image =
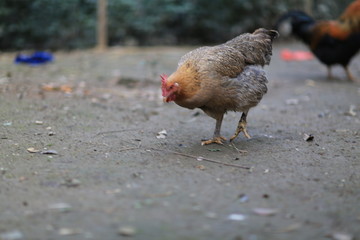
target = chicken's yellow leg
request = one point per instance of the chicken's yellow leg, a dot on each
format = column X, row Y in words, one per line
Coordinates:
column 329, row 75
column 217, row 138
column 349, row 75
column 241, row 127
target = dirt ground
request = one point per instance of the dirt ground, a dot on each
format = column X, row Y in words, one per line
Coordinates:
column 81, row 157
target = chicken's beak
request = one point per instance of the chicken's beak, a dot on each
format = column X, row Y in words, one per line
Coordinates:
column 167, row 99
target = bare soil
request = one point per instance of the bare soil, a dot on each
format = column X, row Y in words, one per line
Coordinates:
column 80, row 157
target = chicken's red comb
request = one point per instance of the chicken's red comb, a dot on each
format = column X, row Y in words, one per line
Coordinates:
column 163, row 78
column 163, row 83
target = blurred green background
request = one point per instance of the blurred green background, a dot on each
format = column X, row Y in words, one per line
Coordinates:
column 70, row 24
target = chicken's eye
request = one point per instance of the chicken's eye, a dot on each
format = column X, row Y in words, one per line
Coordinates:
column 171, row 87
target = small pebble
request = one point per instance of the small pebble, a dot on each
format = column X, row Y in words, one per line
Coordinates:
column 292, row 101
column 127, row 231
column 237, row 217
column 265, row 211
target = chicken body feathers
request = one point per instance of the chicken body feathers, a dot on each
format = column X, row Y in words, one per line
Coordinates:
column 238, row 94
column 226, row 77
column 230, row 58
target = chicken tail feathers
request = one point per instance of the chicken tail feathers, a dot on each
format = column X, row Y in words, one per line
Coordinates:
column 256, row 48
column 271, row 33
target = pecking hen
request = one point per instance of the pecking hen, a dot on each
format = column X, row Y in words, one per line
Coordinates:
column 226, row 77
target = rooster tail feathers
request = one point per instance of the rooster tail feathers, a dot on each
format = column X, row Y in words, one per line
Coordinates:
column 351, row 16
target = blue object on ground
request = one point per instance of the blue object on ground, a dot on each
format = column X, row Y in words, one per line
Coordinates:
column 37, row 58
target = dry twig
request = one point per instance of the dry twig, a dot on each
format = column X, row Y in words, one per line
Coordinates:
column 202, row 158
column 239, row 150
column 116, row 131
column 130, row 148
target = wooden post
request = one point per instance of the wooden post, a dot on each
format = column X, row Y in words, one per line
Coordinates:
column 101, row 25
column 308, row 7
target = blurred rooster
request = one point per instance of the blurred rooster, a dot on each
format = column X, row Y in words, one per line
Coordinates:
column 332, row 42
column 226, row 77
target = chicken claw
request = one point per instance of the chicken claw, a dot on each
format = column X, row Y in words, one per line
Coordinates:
column 218, row 140
column 241, row 127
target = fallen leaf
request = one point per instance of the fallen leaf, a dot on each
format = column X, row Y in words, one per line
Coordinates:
column 162, row 134
column 127, row 231
column 201, row 167
column 32, row 150
column 22, row 178
column 291, row 228
column 265, row 211
column 52, row 87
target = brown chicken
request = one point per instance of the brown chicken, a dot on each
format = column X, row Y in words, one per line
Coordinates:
column 332, row 42
column 226, row 77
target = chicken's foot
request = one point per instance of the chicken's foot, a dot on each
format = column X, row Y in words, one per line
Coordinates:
column 329, row 73
column 217, row 137
column 348, row 74
column 218, row 140
column 241, row 127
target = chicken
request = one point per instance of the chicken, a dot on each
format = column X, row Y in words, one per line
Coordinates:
column 332, row 42
column 226, row 77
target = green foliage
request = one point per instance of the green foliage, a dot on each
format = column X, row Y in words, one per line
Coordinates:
column 71, row 24
column 47, row 23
